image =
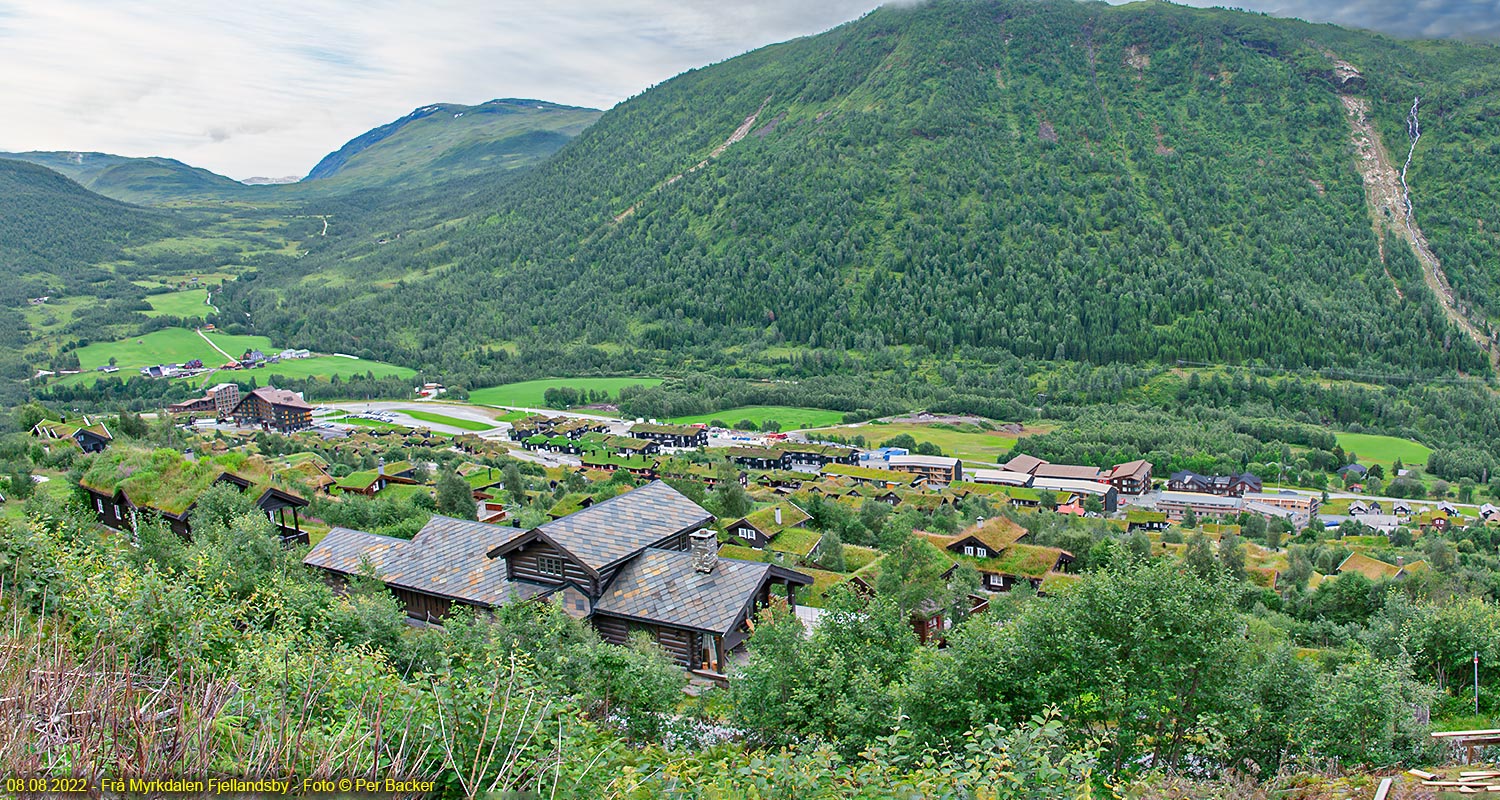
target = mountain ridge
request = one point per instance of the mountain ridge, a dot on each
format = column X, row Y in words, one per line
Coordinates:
column 977, row 180
column 427, row 146
column 336, row 163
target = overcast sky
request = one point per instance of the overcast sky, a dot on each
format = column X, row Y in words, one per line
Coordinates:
column 266, row 88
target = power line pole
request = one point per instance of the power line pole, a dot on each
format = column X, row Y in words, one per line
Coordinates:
column 1476, row 682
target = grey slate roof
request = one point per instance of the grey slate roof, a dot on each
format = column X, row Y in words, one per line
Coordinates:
column 662, row 586
column 606, row 532
column 343, row 548
column 447, row 558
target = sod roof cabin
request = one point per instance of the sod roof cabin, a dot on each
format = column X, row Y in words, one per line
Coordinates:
column 125, row 482
column 880, row 477
column 570, row 504
column 88, row 438
column 816, row 454
column 371, row 482
column 609, row 462
column 782, row 479
column 758, row 528
column 758, row 457
column 1375, row 569
column 671, row 435
column 1145, row 519
column 644, row 560
column 995, row 549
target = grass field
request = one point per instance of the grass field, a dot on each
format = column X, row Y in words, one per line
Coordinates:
column 454, row 422
column 180, row 345
column 168, row 346
column 328, row 366
column 969, row 443
column 1384, row 450
column 179, row 304
column 528, row 394
column 791, row 418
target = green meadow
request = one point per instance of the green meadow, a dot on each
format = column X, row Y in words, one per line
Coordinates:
column 790, row 417
column 1384, row 450
column 179, row 304
column 180, row 345
column 529, row 394
column 168, row 346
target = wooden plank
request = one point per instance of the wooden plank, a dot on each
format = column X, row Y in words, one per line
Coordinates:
column 1384, row 790
column 1417, row 773
column 1452, row 734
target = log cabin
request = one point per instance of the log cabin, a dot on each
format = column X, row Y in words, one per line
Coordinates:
column 645, row 560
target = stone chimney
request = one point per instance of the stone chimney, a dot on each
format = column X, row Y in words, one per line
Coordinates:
column 778, row 515
column 1400, row 561
column 704, row 546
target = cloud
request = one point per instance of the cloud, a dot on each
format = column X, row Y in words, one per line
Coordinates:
column 268, row 88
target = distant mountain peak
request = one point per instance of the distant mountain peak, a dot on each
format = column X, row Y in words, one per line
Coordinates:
column 458, row 139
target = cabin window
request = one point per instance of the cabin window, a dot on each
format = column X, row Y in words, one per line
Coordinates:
column 981, row 552
column 968, row 550
column 551, row 566
column 747, row 533
column 98, row 505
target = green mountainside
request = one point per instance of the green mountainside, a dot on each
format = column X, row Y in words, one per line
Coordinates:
column 446, row 141
column 1144, row 183
column 431, row 145
column 134, row 180
column 51, row 225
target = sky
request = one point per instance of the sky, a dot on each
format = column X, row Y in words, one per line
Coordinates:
column 267, row 88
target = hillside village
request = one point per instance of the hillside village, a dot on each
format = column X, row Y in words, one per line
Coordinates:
column 611, row 519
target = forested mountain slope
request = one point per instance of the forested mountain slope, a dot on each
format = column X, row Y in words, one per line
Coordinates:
column 1043, row 179
column 134, row 180
column 49, row 224
column 448, row 141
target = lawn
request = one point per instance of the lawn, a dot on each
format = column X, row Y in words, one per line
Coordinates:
column 969, row 442
column 529, row 394
column 454, row 422
column 1384, row 450
column 179, row 304
column 373, row 423
column 790, row 417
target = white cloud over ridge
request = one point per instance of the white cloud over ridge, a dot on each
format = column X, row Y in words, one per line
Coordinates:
column 268, row 88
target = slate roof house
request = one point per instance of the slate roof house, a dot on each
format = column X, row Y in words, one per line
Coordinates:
column 645, row 560
column 1222, row 485
column 273, row 409
column 1133, row 477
